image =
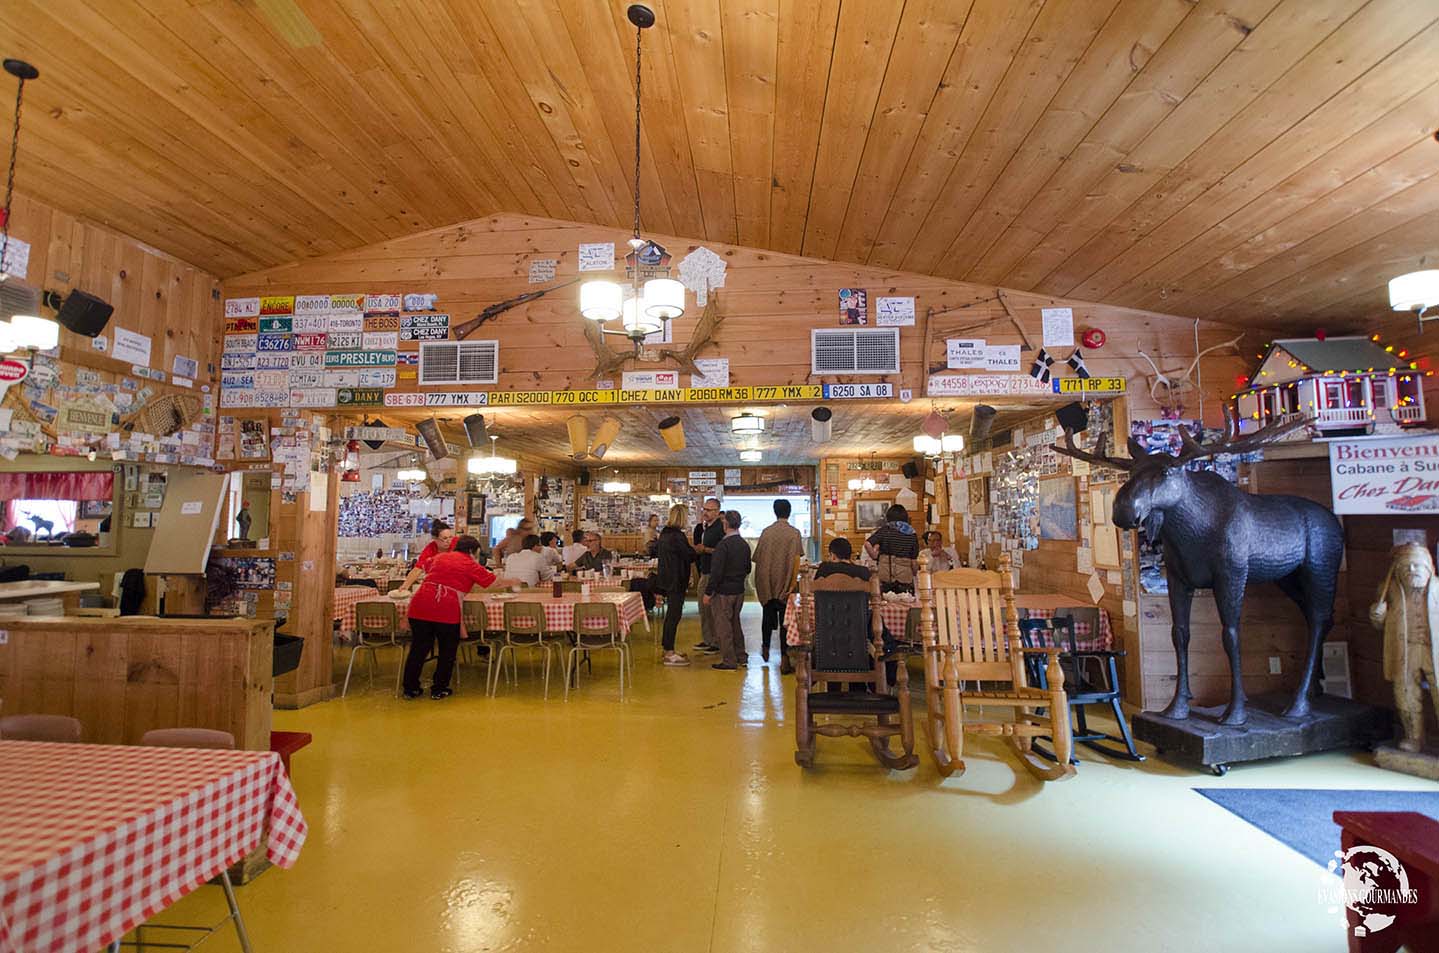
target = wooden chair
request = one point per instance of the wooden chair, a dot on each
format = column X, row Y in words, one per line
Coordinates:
column 524, row 629
column 597, row 628
column 188, row 738
column 1090, row 678
column 971, row 632
column 841, row 620
column 377, row 626
column 41, row 728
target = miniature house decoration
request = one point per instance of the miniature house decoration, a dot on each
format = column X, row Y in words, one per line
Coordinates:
column 1348, row 387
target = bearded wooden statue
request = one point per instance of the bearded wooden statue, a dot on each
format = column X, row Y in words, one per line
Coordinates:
column 1408, row 613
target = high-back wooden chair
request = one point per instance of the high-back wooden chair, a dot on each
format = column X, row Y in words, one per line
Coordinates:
column 970, row 631
column 841, row 621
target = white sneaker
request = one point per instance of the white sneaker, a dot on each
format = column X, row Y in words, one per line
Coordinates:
column 675, row 658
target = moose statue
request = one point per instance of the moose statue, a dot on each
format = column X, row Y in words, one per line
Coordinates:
column 1216, row 536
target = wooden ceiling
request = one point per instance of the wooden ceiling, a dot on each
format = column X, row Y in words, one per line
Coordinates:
column 858, row 430
column 1244, row 160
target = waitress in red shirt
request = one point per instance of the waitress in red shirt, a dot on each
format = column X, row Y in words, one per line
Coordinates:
column 442, row 540
column 435, row 613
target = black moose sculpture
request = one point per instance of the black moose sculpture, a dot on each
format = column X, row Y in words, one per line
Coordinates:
column 1216, row 536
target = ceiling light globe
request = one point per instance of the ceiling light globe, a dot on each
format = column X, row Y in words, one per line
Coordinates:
column 1415, row 291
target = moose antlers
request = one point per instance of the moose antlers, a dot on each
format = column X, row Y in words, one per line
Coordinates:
column 1232, row 442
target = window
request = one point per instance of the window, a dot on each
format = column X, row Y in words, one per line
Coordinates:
column 1333, row 394
column 757, row 512
column 44, row 508
column 1356, row 392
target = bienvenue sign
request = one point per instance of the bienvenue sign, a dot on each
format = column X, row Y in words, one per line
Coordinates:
column 1387, row 476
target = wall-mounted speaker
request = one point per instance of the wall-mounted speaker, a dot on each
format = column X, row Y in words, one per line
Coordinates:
column 475, row 430
column 1073, row 417
column 584, row 478
column 981, row 423
column 910, row 470
column 82, row 313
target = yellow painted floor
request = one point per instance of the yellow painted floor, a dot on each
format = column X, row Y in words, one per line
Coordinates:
column 678, row 821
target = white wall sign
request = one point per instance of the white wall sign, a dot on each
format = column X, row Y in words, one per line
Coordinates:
column 893, row 312
column 1001, row 357
column 732, row 477
column 17, row 258
column 648, row 380
column 702, row 479
column 965, row 352
column 1392, row 476
column 597, row 256
column 1058, row 326
column 130, row 347
column 714, row 372
column 542, row 270
column 985, row 385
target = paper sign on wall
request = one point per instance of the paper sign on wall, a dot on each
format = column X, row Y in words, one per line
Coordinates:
column 191, row 507
column 1393, row 476
column 647, row 380
column 130, row 347
column 542, row 270
column 17, row 258
column 714, row 372
column 1001, row 357
column 597, row 256
column 965, row 352
column 893, row 312
column 1096, row 588
column 1058, row 326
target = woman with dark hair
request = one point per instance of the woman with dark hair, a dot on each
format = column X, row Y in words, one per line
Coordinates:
column 435, row 613
column 894, row 547
column 442, row 539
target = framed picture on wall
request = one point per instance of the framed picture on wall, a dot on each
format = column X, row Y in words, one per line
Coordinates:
column 869, row 514
column 1058, row 508
column 978, row 496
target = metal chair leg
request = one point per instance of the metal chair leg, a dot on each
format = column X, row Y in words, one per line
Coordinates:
column 235, row 912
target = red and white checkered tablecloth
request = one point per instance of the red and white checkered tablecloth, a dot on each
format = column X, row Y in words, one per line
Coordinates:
column 96, row 839
column 345, row 599
column 894, row 615
column 560, row 613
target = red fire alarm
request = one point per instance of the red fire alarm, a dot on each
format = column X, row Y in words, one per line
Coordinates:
column 1093, row 339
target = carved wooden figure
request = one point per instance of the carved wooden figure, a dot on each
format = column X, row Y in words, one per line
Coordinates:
column 1216, row 536
column 1408, row 613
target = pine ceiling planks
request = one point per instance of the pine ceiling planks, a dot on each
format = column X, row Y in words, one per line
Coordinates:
column 1245, row 160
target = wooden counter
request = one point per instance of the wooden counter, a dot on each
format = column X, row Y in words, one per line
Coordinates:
column 124, row 676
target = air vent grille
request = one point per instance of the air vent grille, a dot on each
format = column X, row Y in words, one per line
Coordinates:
column 854, row 350
column 460, row 362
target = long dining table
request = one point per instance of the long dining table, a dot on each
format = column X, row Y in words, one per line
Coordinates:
column 559, row 610
column 96, row 839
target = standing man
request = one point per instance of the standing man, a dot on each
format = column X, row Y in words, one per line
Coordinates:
column 707, row 535
column 776, row 556
column 724, row 592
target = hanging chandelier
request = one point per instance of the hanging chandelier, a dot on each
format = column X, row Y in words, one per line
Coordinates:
column 19, row 303
column 493, row 465
column 642, row 308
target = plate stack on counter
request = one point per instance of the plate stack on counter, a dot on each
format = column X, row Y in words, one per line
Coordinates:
column 47, row 606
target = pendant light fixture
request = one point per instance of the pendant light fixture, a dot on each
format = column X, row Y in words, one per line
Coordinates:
column 19, row 303
column 493, row 465
column 642, row 308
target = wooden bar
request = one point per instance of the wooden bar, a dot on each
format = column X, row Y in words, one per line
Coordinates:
column 125, row 676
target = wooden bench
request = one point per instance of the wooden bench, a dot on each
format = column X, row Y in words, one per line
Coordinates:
column 1414, row 840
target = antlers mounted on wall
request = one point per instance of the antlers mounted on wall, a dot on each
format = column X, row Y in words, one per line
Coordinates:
column 608, row 360
column 1175, row 383
column 1231, row 442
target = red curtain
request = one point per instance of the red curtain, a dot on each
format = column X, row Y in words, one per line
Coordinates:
column 57, row 486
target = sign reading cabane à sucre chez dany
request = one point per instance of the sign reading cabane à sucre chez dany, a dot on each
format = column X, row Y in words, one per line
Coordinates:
column 1385, row 475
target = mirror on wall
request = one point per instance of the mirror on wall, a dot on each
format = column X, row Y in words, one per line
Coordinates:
column 247, row 517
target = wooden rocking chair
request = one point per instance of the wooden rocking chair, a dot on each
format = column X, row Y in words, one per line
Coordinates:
column 840, row 618
column 971, row 632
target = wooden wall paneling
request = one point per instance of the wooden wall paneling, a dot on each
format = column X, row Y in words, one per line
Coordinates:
column 863, row 44
column 751, row 36
column 1192, row 50
column 1282, row 221
column 1373, row 82
column 1261, row 58
column 312, row 534
column 930, row 33
column 1059, row 37
column 697, row 46
column 992, row 35
column 804, row 46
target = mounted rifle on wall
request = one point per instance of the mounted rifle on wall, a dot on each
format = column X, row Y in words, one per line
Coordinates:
column 1216, row 536
column 500, row 307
